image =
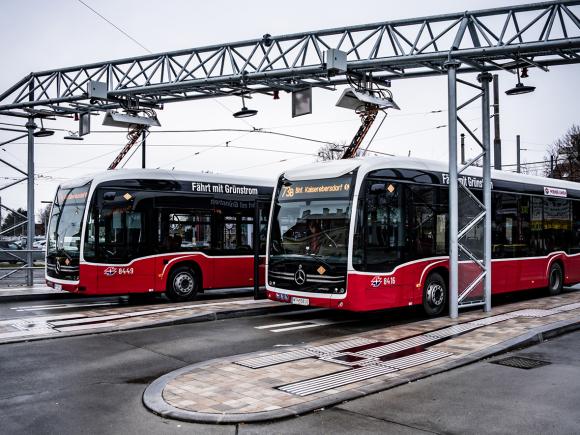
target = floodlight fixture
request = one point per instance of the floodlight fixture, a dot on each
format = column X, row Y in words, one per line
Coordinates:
column 73, row 136
column 43, row 132
column 520, row 88
column 244, row 112
column 353, row 99
column 126, row 120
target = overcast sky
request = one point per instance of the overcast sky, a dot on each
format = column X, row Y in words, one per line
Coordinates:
column 39, row 35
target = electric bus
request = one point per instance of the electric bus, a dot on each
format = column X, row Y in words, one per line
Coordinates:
column 372, row 233
column 153, row 231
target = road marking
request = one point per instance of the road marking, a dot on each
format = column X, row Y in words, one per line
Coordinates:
column 304, row 324
column 63, row 306
column 275, row 325
column 296, row 327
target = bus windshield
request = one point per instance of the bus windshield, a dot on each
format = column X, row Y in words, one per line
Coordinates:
column 64, row 235
column 311, row 220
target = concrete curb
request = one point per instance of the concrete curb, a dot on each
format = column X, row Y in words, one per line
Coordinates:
column 153, row 399
column 196, row 318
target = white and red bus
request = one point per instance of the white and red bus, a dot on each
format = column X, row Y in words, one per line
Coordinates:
column 146, row 231
column 372, row 233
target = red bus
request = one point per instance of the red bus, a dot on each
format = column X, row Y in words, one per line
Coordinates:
column 372, row 233
column 148, row 231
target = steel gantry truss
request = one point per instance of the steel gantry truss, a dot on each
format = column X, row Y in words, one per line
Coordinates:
column 540, row 35
column 534, row 35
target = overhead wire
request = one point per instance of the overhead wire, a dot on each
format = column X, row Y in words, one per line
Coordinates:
column 225, row 130
column 115, row 26
column 150, row 52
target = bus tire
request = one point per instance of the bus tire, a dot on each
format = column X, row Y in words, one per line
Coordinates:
column 434, row 295
column 182, row 284
column 555, row 279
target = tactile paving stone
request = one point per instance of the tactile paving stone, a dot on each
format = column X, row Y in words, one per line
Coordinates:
column 270, row 360
column 335, row 380
column 416, row 359
column 453, row 330
column 342, row 345
column 398, row 346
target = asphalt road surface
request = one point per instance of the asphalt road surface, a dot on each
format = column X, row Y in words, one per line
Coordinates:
column 93, row 384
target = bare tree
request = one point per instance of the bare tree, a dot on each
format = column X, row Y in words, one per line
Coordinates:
column 565, row 155
column 43, row 216
column 335, row 151
column 330, row 152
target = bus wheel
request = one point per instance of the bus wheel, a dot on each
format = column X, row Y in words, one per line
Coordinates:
column 555, row 279
column 434, row 295
column 182, row 284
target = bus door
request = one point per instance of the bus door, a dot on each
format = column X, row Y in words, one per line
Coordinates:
column 184, row 232
column 234, row 266
column 121, row 223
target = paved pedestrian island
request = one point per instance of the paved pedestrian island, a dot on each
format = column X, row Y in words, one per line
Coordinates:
column 282, row 383
column 93, row 317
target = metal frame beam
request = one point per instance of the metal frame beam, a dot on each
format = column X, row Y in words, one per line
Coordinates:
column 484, row 40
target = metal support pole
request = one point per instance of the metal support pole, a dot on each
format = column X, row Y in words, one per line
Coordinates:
column 453, row 189
column 30, row 126
column 518, row 151
column 143, row 136
column 485, row 79
column 496, row 138
column 462, row 148
column 256, row 242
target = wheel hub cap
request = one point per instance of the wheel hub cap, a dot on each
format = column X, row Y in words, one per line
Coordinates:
column 183, row 283
column 435, row 295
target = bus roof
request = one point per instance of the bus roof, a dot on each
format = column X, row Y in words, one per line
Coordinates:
column 336, row 168
column 164, row 174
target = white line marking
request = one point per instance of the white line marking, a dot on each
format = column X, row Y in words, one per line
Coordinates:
column 67, row 306
column 292, row 328
column 275, row 325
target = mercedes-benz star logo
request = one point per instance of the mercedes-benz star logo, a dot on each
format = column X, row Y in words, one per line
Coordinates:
column 57, row 266
column 300, row 276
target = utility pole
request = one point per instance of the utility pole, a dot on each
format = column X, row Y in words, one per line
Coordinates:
column 30, row 126
column 518, row 151
column 496, row 138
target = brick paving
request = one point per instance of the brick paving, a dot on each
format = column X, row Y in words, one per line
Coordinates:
column 226, row 389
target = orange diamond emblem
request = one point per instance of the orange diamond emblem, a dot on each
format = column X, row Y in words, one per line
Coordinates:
column 321, row 270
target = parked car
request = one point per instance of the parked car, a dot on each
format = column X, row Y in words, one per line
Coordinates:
column 39, row 244
column 11, row 257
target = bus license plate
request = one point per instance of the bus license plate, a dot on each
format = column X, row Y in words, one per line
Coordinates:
column 300, row 301
column 58, row 286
